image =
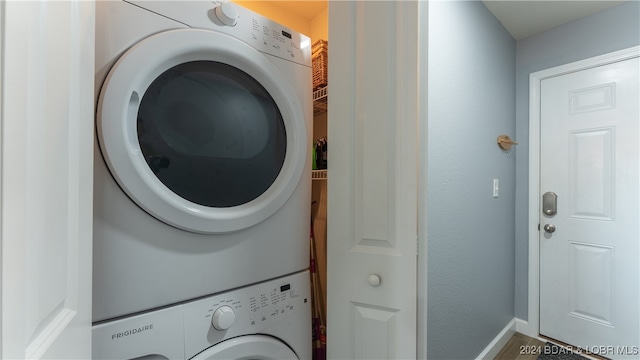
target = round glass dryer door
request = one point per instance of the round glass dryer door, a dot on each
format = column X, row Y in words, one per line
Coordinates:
column 254, row 347
column 201, row 131
column 211, row 134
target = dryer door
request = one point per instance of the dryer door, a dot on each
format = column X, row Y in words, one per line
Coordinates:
column 202, row 131
column 254, row 347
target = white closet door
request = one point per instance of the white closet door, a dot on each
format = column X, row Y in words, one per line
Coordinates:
column 372, row 179
column 46, row 150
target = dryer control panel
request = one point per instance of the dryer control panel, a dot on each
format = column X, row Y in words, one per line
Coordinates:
column 262, row 33
column 266, row 35
column 265, row 308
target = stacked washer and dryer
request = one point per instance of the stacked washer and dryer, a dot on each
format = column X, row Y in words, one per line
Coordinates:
column 202, row 183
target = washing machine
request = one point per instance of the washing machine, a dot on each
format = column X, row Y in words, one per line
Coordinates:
column 202, row 166
column 267, row 321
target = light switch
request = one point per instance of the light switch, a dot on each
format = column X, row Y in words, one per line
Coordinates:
column 496, row 188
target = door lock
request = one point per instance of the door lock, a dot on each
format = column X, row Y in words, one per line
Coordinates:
column 550, row 203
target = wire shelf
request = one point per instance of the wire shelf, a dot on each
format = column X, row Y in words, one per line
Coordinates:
column 319, row 175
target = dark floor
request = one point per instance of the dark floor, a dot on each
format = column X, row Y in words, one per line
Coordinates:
column 520, row 347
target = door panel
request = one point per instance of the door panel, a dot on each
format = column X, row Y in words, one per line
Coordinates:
column 372, row 180
column 589, row 267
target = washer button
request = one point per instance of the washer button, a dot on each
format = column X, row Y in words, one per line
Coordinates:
column 223, row 318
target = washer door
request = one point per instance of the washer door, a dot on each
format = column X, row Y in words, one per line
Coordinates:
column 202, row 131
column 253, row 347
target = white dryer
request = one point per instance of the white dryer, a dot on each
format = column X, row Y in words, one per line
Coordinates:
column 202, row 165
column 268, row 321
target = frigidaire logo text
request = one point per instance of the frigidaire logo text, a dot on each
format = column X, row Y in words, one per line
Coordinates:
column 131, row 332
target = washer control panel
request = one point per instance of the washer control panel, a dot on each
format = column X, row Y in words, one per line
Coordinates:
column 248, row 310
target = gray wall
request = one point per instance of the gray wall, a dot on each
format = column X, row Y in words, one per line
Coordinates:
column 470, row 234
column 610, row 30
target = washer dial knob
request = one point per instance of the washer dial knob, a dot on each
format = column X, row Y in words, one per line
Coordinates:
column 223, row 318
column 227, row 14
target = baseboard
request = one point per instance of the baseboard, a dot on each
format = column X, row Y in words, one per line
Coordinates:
column 498, row 342
column 522, row 326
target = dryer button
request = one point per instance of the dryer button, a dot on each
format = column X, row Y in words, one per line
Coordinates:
column 227, row 14
column 223, row 318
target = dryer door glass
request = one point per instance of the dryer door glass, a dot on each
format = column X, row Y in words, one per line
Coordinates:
column 211, row 134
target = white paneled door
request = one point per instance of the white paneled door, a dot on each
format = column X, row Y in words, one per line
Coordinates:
column 590, row 210
column 46, row 149
column 372, row 179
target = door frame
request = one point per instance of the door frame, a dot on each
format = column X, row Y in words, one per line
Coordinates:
column 535, row 80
